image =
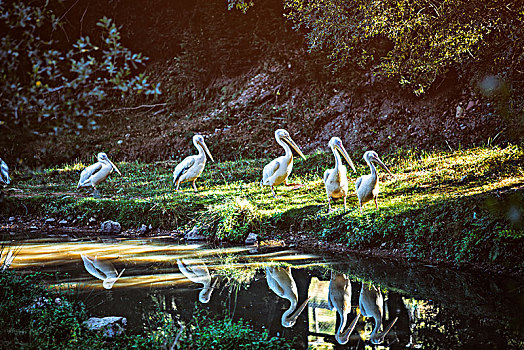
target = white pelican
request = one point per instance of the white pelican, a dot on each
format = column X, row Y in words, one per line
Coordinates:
column 367, row 185
column 101, row 269
column 191, row 167
column 4, row 173
column 339, row 298
column 7, row 260
column 198, row 273
column 281, row 282
column 336, row 180
column 278, row 170
column 96, row 173
column 371, row 304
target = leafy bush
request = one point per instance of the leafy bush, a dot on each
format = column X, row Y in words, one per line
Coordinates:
column 41, row 83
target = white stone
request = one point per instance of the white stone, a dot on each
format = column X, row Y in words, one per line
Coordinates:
column 110, row 226
column 109, row 326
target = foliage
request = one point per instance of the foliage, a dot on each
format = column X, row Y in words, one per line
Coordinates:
column 205, row 332
column 42, row 83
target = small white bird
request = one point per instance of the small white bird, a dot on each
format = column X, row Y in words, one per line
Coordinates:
column 96, row 173
column 336, row 180
column 281, row 282
column 191, row 167
column 4, row 173
column 339, row 299
column 278, row 170
column 101, row 269
column 371, row 303
column 198, row 273
column 367, row 185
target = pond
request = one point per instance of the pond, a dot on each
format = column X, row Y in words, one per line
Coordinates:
column 407, row 305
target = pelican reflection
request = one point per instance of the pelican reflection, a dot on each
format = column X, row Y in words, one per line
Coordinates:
column 371, row 303
column 197, row 272
column 101, row 269
column 339, row 299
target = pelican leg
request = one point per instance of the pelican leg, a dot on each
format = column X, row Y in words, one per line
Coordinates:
column 376, row 204
column 345, row 207
column 360, row 206
column 194, row 186
column 177, row 185
column 96, row 194
column 329, row 204
column 293, row 184
column 273, row 191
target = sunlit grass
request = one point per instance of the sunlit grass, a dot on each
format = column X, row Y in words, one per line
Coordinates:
column 230, row 202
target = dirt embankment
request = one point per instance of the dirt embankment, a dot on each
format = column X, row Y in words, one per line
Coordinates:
column 236, row 78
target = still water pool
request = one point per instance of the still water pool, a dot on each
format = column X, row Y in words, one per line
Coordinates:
column 406, row 305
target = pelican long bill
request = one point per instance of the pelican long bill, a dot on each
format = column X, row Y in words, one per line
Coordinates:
column 346, row 157
column 203, row 144
column 298, row 311
column 114, row 167
column 294, row 145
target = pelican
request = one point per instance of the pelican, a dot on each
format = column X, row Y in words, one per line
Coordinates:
column 339, row 298
column 4, row 173
column 278, row 170
column 281, row 282
column 336, row 180
column 191, row 167
column 101, row 269
column 198, row 273
column 371, row 304
column 8, row 259
column 96, row 173
column 367, row 185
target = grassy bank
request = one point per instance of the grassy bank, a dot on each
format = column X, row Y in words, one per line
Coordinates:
column 458, row 206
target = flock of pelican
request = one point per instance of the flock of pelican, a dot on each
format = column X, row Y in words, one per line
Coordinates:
column 275, row 172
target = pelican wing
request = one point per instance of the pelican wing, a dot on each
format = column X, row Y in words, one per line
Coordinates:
column 90, row 267
column 270, row 169
column 358, row 182
column 88, row 172
column 183, row 167
column 273, row 283
column 105, row 267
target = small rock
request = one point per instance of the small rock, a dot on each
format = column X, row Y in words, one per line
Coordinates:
column 471, row 104
column 142, row 230
column 110, row 226
column 460, row 112
column 251, row 239
column 193, row 235
column 109, row 326
column 11, row 219
column 63, row 222
column 33, row 228
column 50, row 221
column 92, row 220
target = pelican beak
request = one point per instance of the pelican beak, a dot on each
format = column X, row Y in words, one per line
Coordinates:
column 344, row 337
column 294, row 145
column 108, row 283
column 114, row 167
column 298, row 311
column 384, row 166
column 203, row 144
column 346, row 156
column 388, row 328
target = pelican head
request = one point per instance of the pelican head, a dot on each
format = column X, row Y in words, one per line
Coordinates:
column 198, row 141
column 108, row 282
column 289, row 318
column 102, row 157
column 336, row 144
column 205, row 294
column 372, row 156
column 283, row 135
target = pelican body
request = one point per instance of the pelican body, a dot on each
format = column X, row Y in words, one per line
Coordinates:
column 101, row 269
column 191, row 167
column 4, row 173
column 339, row 299
column 96, row 173
column 278, row 170
column 281, row 282
column 336, row 180
column 371, row 304
column 367, row 185
column 198, row 273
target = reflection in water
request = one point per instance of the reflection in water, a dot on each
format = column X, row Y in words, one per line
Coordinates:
column 101, row 269
column 6, row 261
column 339, row 298
column 281, row 282
column 198, row 273
column 371, row 304
column 435, row 309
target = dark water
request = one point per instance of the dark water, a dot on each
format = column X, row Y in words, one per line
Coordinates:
column 435, row 308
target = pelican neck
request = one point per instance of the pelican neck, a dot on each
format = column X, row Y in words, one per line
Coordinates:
column 338, row 160
column 286, row 147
